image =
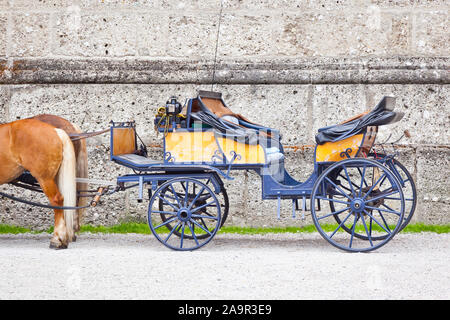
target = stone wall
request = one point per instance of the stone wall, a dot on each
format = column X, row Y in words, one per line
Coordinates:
column 296, row 65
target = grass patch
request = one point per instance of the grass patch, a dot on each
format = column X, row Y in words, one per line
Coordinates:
column 420, row 227
column 411, row 228
column 142, row 228
column 129, row 227
column 7, row 229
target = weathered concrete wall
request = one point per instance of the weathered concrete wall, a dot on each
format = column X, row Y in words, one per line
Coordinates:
column 295, row 65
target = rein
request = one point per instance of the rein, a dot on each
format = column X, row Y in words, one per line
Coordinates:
column 93, row 203
column 36, row 204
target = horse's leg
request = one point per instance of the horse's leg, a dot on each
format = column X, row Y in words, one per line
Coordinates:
column 60, row 237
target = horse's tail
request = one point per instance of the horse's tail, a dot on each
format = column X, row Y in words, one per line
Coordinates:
column 81, row 172
column 66, row 181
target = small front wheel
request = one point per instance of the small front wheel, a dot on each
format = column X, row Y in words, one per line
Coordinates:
column 224, row 206
column 366, row 199
column 193, row 217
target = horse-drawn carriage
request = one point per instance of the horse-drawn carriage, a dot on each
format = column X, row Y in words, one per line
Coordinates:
column 358, row 199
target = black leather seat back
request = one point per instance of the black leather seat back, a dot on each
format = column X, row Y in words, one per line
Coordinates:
column 382, row 114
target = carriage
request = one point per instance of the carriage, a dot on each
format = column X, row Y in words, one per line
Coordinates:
column 358, row 199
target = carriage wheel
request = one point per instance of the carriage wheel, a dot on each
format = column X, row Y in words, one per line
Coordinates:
column 195, row 226
column 409, row 193
column 224, row 205
column 372, row 206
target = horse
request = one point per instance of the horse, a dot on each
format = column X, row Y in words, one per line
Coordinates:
column 42, row 146
column 81, row 160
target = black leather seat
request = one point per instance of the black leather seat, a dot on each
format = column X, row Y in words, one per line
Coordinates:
column 382, row 114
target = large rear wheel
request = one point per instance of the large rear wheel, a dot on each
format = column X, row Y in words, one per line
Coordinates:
column 408, row 188
column 368, row 205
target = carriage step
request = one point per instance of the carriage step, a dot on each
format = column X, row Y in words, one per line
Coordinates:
column 295, row 207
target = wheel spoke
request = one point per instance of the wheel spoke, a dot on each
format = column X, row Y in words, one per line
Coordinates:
column 387, row 207
column 353, row 230
column 406, row 199
column 367, row 232
column 362, row 180
column 384, row 179
column 209, row 216
column 206, row 230
column 193, row 234
column 176, row 195
column 337, row 187
column 381, row 196
column 384, row 210
column 164, row 223
column 182, row 184
column 204, row 223
column 204, row 217
column 345, row 188
column 375, row 184
column 196, row 197
column 350, row 183
column 384, row 220
column 166, row 196
column 172, row 231
column 170, row 204
column 333, row 213
column 340, row 225
column 165, row 212
column 200, row 217
column 182, row 234
column 373, row 218
column 186, row 196
column 355, row 186
column 203, row 206
column 333, row 200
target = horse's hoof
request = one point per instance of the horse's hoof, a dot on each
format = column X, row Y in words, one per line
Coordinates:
column 74, row 238
column 57, row 246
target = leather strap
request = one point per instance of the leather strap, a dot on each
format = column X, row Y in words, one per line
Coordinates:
column 85, row 135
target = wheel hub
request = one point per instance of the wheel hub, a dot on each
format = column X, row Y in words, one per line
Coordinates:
column 357, row 205
column 184, row 214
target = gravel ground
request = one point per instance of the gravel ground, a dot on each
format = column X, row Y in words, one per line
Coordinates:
column 274, row 266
